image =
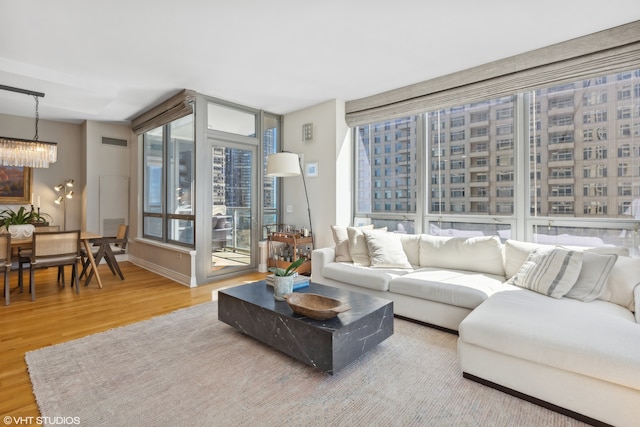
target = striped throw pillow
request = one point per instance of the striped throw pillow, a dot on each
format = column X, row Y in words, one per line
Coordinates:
column 550, row 272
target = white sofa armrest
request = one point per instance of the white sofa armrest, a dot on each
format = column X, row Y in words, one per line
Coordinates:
column 320, row 258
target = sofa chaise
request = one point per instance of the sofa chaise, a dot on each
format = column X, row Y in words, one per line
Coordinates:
column 555, row 325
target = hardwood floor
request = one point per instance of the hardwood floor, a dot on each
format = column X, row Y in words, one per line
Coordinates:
column 60, row 315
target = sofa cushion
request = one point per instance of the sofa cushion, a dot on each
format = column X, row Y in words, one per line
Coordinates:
column 411, row 246
column 479, row 254
column 623, row 280
column 341, row 239
column 385, row 250
column 593, row 276
column 456, row 287
column 358, row 245
column 551, row 272
column 515, row 254
column 366, row 277
column 597, row 339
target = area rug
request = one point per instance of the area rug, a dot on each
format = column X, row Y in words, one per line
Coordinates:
column 187, row 368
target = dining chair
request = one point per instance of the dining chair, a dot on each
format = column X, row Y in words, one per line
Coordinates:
column 107, row 248
column 54, row 249
column 24, row 254
column 5, row 262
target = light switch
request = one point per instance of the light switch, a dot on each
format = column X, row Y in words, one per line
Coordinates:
column 289, row 208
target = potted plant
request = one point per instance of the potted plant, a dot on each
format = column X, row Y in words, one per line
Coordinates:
column 283, row 278
column 20, row 223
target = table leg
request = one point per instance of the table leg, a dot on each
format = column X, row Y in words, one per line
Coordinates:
column 94, row 267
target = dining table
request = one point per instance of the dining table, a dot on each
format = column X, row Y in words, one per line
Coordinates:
column 86, row 237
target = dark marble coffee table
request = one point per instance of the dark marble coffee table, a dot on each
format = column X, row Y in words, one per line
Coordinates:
column 328, row 345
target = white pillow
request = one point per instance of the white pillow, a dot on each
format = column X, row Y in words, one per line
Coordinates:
column 411, row 246
column 341, row 238
column 482, row 254
column 550, row 272
column 516, row 253
column 623, row 280
column 358, row 248
column 385, row 250
column 593, row 276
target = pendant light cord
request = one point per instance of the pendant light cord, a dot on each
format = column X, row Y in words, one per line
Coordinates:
column 35, row 138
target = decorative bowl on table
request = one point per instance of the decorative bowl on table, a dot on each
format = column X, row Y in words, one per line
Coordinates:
column 316, row 306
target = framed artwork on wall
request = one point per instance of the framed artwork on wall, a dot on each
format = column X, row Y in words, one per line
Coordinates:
column 15, row 185
column 311, row 169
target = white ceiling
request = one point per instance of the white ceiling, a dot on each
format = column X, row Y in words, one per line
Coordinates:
column 111, row 60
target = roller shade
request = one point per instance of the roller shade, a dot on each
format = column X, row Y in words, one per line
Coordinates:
column 613, row 50
column 177, row 106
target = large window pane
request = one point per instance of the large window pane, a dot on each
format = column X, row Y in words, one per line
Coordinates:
column 231, row 120
column 181, row 180
column 153, row 170
column 585, row 141
column 169, row 182
column 271, row 138
column 386, row 167
column 471, row 159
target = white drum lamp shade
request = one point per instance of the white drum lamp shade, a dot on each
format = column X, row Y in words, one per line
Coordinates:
column 283, row 164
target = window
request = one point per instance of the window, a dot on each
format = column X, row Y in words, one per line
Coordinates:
column 569, row 159
column 399, row 190
column 561, row 190
column 169, row 182
column 504, row 113
column 457, row 192
column 457, row 136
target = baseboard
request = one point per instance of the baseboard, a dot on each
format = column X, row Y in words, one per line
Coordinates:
column 162, row 271
column 536, row 401
column 430, row 325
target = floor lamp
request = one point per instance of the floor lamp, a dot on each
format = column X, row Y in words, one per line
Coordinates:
column 286, row 164
column 61, row 199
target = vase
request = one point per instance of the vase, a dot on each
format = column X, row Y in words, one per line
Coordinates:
column 282, row 285
column 21, row 231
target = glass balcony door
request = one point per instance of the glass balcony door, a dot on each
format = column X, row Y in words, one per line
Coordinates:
column 233, row 207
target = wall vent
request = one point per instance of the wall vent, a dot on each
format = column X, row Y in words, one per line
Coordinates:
column 114, row 141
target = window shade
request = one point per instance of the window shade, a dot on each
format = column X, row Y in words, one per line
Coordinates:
column 177, row 106
column 613, row 50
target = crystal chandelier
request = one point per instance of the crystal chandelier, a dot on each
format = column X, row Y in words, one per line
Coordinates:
column 24, row 152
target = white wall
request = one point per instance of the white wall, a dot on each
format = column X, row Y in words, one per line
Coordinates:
column 330, row 192
column 103, row 160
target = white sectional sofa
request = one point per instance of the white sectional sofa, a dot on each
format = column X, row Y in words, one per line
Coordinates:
column 553, row 325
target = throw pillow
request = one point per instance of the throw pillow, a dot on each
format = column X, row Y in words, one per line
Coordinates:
column 385, row 250
column 341, row 239
column 411, row 246
column 593, row 276
column 358, row 248
column 482, row 254
column 622, row 283
column 551, row 272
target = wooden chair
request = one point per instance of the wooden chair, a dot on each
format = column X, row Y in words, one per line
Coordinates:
column 25, row 254
column 54, row 249
column 5, row 262
column 107, row 248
